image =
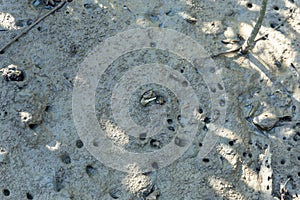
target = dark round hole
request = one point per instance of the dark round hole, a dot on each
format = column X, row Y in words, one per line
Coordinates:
column 249, row 5
column 298, row 157
column 65, row 158
column 29, row 196
column 2, row 52
column 200, row 110
column 6, row 192
column 200, row 144
column 47, row 108
column 250, row 155
column 298, row 173
column 207, row 120
column 39, row 28
column 282, row 162
column 90, row 170
column 33, row 126
column 79, row 144
column 170, row 121
column 273, row 25
column 275, row 7
column 244, row 154
column 179, row 118
column 206, row 160
column 155, row 143
column 231, row 143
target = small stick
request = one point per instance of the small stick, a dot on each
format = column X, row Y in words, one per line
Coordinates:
column 256, row 40
column 32, row 25
column 249, row 43
column 227, row 52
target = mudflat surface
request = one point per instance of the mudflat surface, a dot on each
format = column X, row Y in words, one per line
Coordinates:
column 123, row 100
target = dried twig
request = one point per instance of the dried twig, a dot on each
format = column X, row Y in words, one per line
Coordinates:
column 32, row 25
column 260, row 38
column 227, row 52
column 249, row 43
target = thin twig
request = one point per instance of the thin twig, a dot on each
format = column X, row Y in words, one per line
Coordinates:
column 227, row 52
column 249, row 43
column 256, row 40
column 32, row 25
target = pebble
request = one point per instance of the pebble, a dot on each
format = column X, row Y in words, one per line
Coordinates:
column 11, row 73
column 265, row 121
